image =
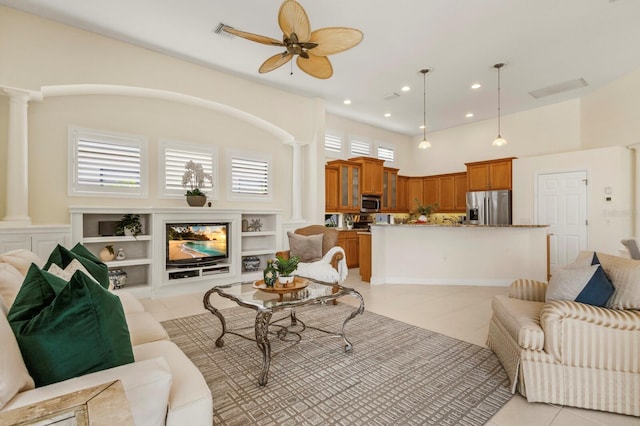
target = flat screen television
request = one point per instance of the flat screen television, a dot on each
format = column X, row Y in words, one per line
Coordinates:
column 196, row 244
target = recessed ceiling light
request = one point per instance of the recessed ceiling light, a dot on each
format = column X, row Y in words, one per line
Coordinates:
column 475, row 86
column 469, row 115
column 422, row 126
column 405, row 88
column 388, row 114
column 347, row 101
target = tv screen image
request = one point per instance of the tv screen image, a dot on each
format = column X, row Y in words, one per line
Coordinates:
column 190, row 243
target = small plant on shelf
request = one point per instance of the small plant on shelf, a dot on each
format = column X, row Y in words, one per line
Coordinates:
column 129, row 224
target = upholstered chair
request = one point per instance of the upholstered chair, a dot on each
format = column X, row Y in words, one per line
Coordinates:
column 331, row 266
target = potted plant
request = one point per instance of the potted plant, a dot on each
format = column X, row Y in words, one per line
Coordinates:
column 129, row 225
column 194, row 178
column 425, row 211
column 286, row 268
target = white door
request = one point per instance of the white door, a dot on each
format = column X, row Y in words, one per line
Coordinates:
column 562, row 204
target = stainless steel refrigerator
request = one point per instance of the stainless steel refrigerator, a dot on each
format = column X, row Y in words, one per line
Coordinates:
column 489, row 207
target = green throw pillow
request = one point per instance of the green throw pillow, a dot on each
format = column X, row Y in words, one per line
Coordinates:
column 62, row 257
column 68, row 329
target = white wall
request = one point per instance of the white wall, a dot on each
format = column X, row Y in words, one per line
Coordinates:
column 610, row 115
column 37, row 52
column 609, row 222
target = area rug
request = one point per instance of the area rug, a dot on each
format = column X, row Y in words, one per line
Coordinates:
column 397, row 374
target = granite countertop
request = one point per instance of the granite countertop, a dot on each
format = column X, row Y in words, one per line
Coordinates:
column 458, row 225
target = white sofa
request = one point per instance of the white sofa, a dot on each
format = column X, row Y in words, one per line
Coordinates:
column 162, row 386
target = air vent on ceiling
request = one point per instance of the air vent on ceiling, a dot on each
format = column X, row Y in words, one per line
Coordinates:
column 559, row 88
column 219, row 30
column 391, row 95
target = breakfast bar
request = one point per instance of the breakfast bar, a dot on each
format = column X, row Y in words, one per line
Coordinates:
column 457, row 254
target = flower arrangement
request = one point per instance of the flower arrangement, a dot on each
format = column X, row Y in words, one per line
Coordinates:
column 286, row 267
column 194, row 178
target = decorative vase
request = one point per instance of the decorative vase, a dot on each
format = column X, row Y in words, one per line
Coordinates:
column 196, row 200
column 120, row 255
column 285, row 280
column 423, row 219
column 269, row 274
column 117, row 278
column 106, row 254
column 251, row 263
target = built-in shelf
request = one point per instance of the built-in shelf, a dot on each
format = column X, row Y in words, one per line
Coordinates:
column 116, row 239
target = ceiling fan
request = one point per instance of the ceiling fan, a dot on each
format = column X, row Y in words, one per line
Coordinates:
column 310, row 47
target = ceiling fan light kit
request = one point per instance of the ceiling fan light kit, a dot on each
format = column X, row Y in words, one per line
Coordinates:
column 310, row 47
column 499, row 140
column 425, row 143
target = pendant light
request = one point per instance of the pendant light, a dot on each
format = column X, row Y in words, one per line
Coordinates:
column 425, row 143
column 499, row 141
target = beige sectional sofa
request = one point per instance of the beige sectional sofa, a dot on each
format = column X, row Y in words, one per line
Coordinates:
column 162, row 386
column 570, row 353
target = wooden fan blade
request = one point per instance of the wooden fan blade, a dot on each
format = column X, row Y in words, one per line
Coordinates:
column 316, row 66
column 334, row 40
column 274, row 62
column 293, row 19
column 254, row 37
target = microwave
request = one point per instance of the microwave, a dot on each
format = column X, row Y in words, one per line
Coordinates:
column 369, row 203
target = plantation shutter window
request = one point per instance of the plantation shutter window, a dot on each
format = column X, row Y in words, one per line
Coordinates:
column 249, row 176
column 386, row 154
column 360, row 147
column 333, row 144
column 175, row 159
column 105, row 163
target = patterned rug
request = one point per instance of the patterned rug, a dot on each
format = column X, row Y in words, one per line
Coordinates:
column 397, row 374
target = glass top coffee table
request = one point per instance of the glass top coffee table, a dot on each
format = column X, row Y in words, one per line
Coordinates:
column 266, row 301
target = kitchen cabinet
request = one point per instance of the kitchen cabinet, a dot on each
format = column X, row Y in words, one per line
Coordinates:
column 446, row 186
column 402, row 196
column 493, row 174
column 430, row 193
column 460, row 192
column 372, row 174
column 348, row 185
column 390, row 190
column 331, row 188
column 364, row 240
column 348, row 240
column 414, row 192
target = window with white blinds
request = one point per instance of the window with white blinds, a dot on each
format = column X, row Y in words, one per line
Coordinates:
column 386, row 154
column 333, row 145
column 174, row 157
column 360, row 147
column 106, row 164
column 250, row 175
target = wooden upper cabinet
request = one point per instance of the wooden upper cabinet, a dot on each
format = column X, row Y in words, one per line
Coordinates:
column 446, row 187
column 389, row 189
column 331, row 188
column 430, row 191
column 485, row 175
column 414, row 192
column 403, row 197
column 349, row 175
column 372, row 175
column 460, row 192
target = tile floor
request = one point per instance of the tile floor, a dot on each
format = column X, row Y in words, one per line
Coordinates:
column 462, row 312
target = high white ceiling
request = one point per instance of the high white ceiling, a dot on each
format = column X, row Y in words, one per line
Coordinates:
column 543, row 43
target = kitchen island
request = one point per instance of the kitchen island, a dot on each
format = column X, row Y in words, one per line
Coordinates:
column 457, row 254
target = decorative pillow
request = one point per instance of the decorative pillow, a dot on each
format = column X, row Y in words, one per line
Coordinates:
column 14, row 376
column 63, row 257
column 21, row 259
column 585, row 258
column 625, row 276
column 308, row 248
column 68, row 329
column 68, row 272
column 10, row 282
column 585, row 285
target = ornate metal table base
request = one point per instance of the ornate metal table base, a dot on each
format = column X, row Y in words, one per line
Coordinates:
column 263, row 320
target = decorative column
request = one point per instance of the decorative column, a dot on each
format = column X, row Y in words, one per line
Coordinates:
column 296, row 183
column 17, row 165
column 636, row 188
